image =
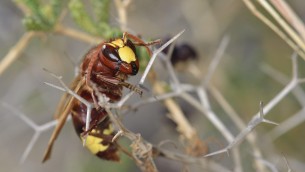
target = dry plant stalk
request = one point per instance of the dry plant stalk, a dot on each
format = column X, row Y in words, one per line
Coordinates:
column 122, row 6
column 23, row 42
column 194, row 145
column 289, row 34
column 290, row 16
column 15, row 51
column 66, row 31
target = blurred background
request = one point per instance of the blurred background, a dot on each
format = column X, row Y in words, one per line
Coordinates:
column 239, row 77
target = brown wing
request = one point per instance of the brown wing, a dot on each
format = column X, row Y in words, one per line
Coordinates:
column 65, row 99
column 62, row 113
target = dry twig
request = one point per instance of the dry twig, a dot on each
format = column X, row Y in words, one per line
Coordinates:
column 295, row 46
column 15, row 51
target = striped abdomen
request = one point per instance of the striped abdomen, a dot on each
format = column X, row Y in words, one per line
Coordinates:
column 99, row 139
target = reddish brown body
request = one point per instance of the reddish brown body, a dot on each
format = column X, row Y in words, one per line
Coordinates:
column 99, row 120
column 104, row 70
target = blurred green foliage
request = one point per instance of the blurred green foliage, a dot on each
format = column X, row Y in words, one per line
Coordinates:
column 41, row 17
column 143, row 57
column 98, row 24
column 90, row 16
column 44, row 16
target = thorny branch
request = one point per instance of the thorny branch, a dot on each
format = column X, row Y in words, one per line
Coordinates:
column 218, row 56
column 256, row 120
column 259, row 118
column 239, row 123
column 287, row 164
column 179, row 90
column 37, row 128
column 226, row 106
column 298, row 93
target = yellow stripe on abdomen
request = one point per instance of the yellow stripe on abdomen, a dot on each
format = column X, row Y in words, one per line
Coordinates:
column 109, row 130
column 94, row 144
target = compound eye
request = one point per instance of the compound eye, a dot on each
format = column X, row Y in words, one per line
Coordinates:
column 131, row 45
column 111, row 53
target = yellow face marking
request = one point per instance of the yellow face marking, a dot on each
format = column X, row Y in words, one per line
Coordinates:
column 117, row 43
column 94, row 144
column 126, row 54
